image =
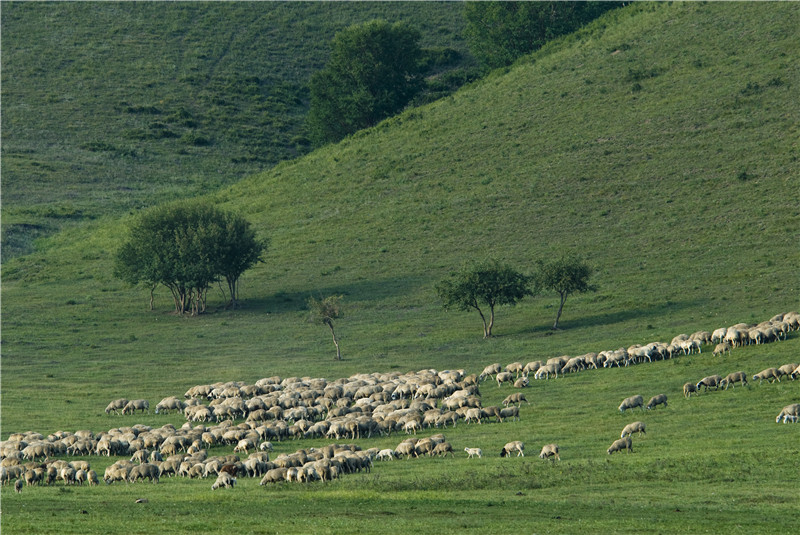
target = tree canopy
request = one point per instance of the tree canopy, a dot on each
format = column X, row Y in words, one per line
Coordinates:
column 374, row 70
column 484, row 285
column 564, row 276
column 187, row 247
column 500, row 32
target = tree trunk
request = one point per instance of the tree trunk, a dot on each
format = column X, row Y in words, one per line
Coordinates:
column 335, row 342
column 487, row 331
column 491, row 322
column 560, row 308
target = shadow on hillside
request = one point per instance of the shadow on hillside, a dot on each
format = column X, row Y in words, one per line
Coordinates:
column 644, row 314
column 365, row 290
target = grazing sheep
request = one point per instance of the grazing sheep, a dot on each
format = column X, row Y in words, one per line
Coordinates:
column 443, row 448
column 276, row 475
column 790, row 413
column 116, row 406
column 660, row 399
column 732, row 378
column 504, row 377
column 224, row 480
column 550, row 450
column 473, row 452
column 621, row 444
column 490, row 371
column 708, row 382
column 721, row 349
column 522, row 382
column 517, row 397
column 509, row 412
column 136, row 405
column 142, row 471
column 18, row 485
column 688, row 389
column 771, row 374
column 631, row 402
column 630, row 429
column 546, row 370
column 511, row 447
column 170, row 404
column 788, row 369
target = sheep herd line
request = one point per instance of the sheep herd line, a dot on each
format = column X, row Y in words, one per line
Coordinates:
column 361, row 406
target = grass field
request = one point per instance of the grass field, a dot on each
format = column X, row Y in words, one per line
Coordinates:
column 659, row 143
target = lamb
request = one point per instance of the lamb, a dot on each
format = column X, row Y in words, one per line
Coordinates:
column 790, row 413
column 550, row 450
column 385, row 455
column 224, row 480
column 771, row 374
column 631, row 402
column 630, row 429
column 621, row 444
column 511, row 447
column 473, row 452
column 688, row 389
column 136, row 405
column 709, row 381
column 734, row 377
column 660, row 399
column 116, row 405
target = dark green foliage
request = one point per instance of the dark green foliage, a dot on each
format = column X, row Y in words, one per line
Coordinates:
column 564, row 276
column 500, row 32
column 374, row 70
column 488, row 284
column 186, row 247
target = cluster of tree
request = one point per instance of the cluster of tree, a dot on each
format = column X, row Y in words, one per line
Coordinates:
column 500, row 32
column 484, row 286
column 188, row 246
column 376, row 69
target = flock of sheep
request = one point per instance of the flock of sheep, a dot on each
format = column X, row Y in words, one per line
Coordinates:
column 360, row 406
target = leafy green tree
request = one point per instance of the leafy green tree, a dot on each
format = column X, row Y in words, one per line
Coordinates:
column 484, row 286
column 187, row 247
column 324, row 311
column 374, row 70
column 564, row 276
column 500, row 32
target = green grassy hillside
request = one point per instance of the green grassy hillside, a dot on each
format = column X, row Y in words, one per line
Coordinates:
column 660, row 144
column 108, row 107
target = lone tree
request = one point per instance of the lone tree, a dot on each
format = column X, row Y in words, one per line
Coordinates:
column 484, row 286
column 187, row 246
column 324, row 311
column 564, row 276
column 374, row 70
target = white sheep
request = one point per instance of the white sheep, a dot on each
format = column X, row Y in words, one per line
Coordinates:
column 385, row 455
column 490, row 371
column 473, row 452
column 550, row 450
column 504, row 377
column 688, row 389
column 621, row 444
column 771, row 374
column 136, row 405
column 721, row 349
column 631, row 402
column 224, row 480
column 660, row 399
column 635, row 427
column 790, row 413
column 511, row 447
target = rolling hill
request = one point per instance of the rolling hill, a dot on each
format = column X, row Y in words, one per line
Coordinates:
column 659, row 143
